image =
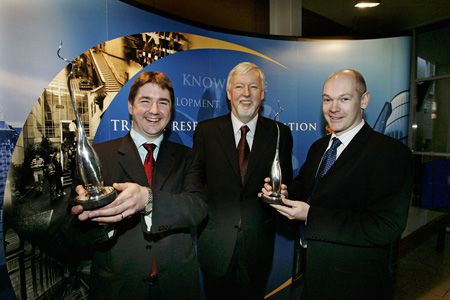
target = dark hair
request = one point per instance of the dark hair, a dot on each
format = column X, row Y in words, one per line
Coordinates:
column 158, row 78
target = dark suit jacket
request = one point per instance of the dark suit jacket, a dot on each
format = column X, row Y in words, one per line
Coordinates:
column 121, row 265
column 358, row 209
column 229, row 201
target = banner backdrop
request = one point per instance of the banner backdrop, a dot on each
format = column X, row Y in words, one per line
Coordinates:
column 111, row 42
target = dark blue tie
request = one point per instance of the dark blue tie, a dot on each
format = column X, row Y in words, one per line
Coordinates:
column 329, row 158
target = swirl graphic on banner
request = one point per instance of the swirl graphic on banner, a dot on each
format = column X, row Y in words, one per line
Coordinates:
column 203, row 42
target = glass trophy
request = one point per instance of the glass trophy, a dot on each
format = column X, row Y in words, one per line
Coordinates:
column 275, row 172
column 87, row 162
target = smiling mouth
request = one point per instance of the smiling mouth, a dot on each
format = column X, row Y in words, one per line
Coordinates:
column 246, row 102
column 152, row 119
column 334, row 118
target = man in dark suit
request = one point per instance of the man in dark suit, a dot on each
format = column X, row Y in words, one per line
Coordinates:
column 236, row 246
column 356, row 210
column 146, row 252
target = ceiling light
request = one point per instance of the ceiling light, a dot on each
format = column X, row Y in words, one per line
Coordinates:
column 366, row 4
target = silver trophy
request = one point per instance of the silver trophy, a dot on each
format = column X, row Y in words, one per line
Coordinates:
column 275, row 172
column 87, row 162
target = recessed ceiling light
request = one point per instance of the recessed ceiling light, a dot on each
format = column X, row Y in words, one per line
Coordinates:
column 367, row 4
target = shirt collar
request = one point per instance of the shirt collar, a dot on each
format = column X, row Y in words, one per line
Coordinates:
column 237, row 124
column 140, row 140
column 347, row 137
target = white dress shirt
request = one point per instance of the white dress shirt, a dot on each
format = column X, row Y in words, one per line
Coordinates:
column 139, row 141
column 345, row 138
column 237, row 124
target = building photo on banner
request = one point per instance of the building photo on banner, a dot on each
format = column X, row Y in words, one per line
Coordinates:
column 38, row 138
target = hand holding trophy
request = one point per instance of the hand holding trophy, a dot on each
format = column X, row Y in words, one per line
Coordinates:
column 87, row 162
column 275, row 172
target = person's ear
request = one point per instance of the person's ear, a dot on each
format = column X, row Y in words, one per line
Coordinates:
column 130, row 108
column 228, row 95
column 365, row 99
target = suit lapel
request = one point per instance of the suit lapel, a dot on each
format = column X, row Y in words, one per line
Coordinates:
column 226, row 139
column 164, row 165
column 353, row 149
column 319, row 154
column 131, row 162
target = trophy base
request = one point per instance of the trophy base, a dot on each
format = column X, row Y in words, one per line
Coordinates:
column 93, row 202
column 272, row 199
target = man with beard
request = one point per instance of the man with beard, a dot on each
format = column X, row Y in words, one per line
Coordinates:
column 236, row 152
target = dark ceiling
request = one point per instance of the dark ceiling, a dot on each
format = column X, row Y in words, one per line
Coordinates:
column 390, row 17
column 320, row 17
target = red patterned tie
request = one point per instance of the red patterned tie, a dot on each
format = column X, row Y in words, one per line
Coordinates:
column 149, row 162
column 243, row 152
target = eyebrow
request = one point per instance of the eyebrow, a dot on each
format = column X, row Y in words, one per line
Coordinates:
column 150, row 98
column 342, row 95
column 245, row 83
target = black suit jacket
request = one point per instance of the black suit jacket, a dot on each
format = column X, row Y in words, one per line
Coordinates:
column 121, row 265
column 231, row 202
column 358, row 209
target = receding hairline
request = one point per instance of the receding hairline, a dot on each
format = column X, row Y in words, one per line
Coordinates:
column 360, row 82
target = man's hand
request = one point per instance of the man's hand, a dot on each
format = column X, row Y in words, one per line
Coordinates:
column 78, row 209
column 130, row 200
column 267, row 189
column 292, row 209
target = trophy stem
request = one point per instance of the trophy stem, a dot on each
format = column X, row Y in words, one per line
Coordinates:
column 88, row 163
column 275, row 175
